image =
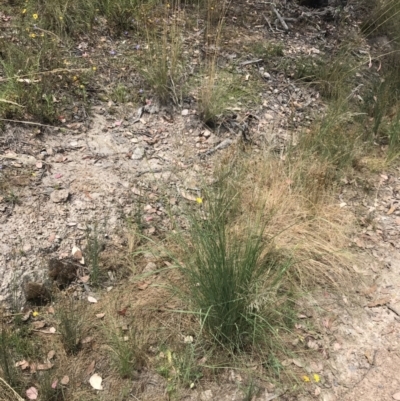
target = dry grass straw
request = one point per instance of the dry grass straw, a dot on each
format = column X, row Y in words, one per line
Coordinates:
column 304, row 223
column 7, row 393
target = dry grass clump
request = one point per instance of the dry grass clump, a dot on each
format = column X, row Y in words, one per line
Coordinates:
column 305, row 221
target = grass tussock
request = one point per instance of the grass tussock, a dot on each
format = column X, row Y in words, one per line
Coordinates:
column 70, row 315
column 223, row 267
column 308, row 226
column 255, row 240
column 163, row 64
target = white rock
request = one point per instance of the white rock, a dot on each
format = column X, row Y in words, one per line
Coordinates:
column 206, row 133
column 59, row 196
column 138, row 153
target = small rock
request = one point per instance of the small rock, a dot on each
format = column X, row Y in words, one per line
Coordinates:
column 206, row 133
column 27, row 247
column 138, row 153
column 150, row 267
column 267, row 75
column 59, row 196
column 185, row 112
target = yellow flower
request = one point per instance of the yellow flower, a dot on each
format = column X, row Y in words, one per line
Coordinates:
column 316, row 378
column 82, row 86
column 35, row 16
column 306, row 378
column 199, row 200
column 34, row 314
column 24, row 11
column 168, row 5
column 74, row 78
column 60, row 18
column 32, row 35
column 42, row 35
column 94, row 68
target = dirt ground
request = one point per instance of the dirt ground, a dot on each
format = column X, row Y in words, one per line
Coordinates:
column 114, row 165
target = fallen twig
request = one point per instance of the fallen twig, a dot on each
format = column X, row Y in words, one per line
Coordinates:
column 281, row 20
column 10, row 102
column 393, row 309
column 267, row 21
column 258, row 60
column 224, row 144
column 28, row 123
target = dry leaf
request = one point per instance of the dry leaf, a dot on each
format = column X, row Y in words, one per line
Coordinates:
column 84, row 279
column 50, row 310
column 298, row 363
column 370, row 355
column 137, row 191
column 87, row 340
column 32, row 393
column 95, row 381
column 65, row 380
column 188, row 196
column 50, row 354
column 50, row 330
column 316, row 367
column 22, row 364
column 396, row 396
column 90, row 368
column 76, row 253
column 92, row 299
column 26, row 316
column 142, row 286
column 122, row 312
column 392, row 209
column 370, row 290
column 100, row 315
column 39, row 324
column 54, row 384
column 44, row 366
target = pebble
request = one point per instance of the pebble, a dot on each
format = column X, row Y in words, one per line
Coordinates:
column 138, row 153
column 59, row 196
